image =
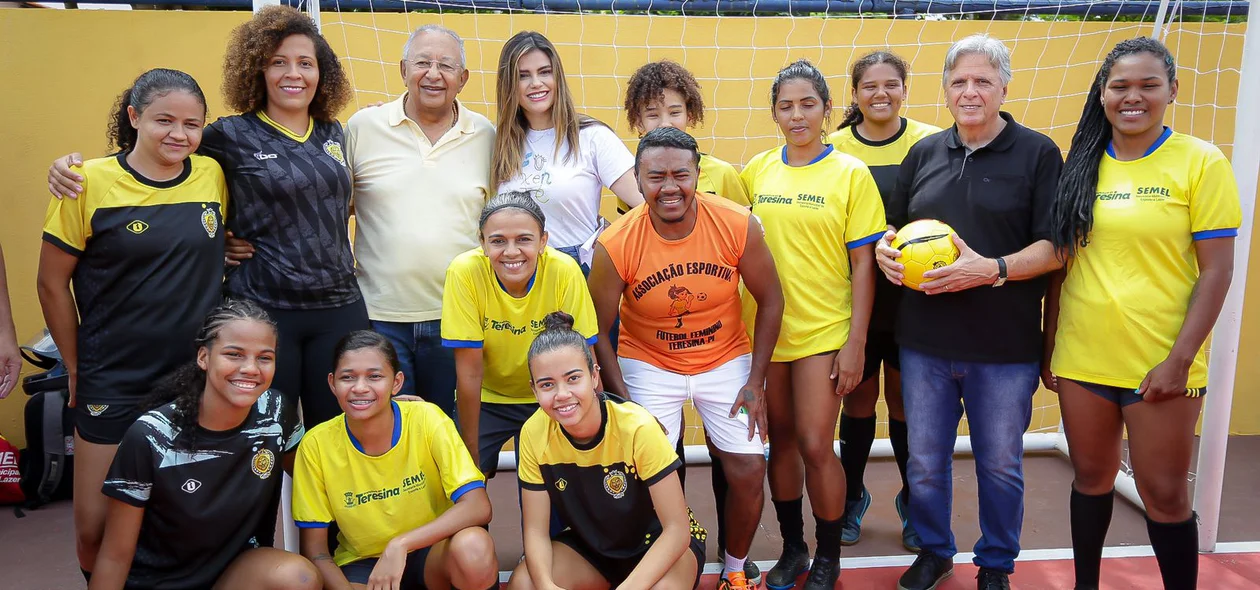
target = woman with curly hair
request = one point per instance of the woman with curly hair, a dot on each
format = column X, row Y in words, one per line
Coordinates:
column 180, row 488
column 290, row 188
column 664, row 94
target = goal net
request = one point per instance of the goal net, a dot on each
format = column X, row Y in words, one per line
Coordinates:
column 735, row 49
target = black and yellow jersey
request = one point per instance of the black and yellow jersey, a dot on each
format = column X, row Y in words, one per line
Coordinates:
column 883, row 158
column 150, row 268
column 291, row 201
column 600, row 488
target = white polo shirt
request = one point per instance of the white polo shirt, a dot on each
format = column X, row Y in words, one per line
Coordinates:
column 416, row 205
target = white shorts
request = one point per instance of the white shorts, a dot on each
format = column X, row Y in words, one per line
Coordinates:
column 713, row 393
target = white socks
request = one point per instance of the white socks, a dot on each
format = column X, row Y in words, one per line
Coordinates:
column 733, row 564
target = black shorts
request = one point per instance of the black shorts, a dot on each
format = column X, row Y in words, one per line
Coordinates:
column 1123, row 396
column 881, row 347
column 497, row 424
column 357, row 572
column 615, row 571
column 104, row 424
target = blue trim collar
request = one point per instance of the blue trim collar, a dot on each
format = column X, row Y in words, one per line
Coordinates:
column 528, row 286
column 827, row 149
column 1111, row 149
column 393, row 439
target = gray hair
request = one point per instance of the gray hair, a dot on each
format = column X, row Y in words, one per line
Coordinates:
column 980, row 44
column 463, row 58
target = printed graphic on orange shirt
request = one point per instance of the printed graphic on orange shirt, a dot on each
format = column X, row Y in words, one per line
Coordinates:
column 681, row 299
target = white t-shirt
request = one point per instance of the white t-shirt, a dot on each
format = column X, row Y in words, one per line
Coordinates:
column 569, row 190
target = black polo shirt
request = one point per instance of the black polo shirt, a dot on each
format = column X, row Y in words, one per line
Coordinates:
column 998, row 198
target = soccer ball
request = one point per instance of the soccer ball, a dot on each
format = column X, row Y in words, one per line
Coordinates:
column 924, row 244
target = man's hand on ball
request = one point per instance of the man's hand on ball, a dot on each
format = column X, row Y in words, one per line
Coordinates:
column 968, row 271
column 886, row 257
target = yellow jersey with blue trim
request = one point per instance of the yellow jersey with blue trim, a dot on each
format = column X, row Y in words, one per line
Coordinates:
column 478, row 313
column 813, row 216
column 150, row 267
column 1127, row 291
column 883, row 158
column 601, row 487
column 374, row 499
column 719, row 177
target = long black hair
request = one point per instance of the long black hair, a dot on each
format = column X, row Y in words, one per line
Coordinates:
column 853, row 114
column 802, row 69
column 184, row 386
column 1073, row 213
column 363, row 339
column 558, row 333
column 147, row 88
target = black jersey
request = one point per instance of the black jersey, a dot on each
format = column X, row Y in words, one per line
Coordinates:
column 600, row 488
column 291, row 200
column 201, row 505
column 150, row 268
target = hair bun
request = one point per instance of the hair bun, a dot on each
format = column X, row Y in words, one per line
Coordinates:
column 558, row 320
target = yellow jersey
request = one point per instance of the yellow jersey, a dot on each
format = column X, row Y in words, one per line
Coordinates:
column 478, row 313
column 374, row 499
column 719, row 177
column 813, row 215
column 1127, row 292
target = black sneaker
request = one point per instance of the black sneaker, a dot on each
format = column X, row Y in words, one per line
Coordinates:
column 926, row 573
column 792, row 563
column 990, row 579
column 823, row 574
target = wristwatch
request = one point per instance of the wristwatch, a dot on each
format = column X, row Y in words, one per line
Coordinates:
column 1001, row 278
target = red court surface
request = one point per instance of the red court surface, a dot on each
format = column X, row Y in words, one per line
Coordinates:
column 1236, row 571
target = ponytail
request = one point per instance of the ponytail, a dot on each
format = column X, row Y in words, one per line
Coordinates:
column 852, row 116
column 150, row 86
column 558, row 333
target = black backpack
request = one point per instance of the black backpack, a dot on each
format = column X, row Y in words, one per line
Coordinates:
column 47, row 463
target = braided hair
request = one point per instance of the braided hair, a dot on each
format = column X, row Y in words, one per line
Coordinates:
column 185, row 385
column 853, row 114
column 1073, row 213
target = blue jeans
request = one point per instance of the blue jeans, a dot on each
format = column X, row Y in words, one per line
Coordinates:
column 428, row 367
column 998, row 400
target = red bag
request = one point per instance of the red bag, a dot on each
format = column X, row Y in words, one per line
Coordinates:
column 10, row 478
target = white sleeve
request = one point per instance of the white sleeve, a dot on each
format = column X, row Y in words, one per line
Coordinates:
column 611, row 157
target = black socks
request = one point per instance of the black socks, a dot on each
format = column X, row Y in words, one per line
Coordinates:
column 828, row 534
column 791, row 521
column 901, row 451
column 1177, row 551
column 1090, row 517
column 856, row 436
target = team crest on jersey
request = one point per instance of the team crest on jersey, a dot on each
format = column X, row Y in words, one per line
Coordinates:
column 333, row 149
column 561, row 484
column 137, row 227
column 97, row 409
column 615, row 484
column 264, row 461
column 349, row 499
column 209, row 221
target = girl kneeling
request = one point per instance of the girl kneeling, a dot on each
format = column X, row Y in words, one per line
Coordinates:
column 607, row 467
column 396, row 479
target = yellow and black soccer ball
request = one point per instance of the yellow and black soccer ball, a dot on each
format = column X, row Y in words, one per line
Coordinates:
column 924, row 245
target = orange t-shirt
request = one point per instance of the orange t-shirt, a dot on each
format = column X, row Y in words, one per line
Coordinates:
column 681, row 307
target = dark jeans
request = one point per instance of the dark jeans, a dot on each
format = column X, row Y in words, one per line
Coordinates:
column 304, row 357
column 427, row 366
column 998, row 400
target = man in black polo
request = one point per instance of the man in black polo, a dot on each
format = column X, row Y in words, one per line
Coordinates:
column 974, row 336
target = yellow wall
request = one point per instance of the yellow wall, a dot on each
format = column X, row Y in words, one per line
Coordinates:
column 63, row 69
